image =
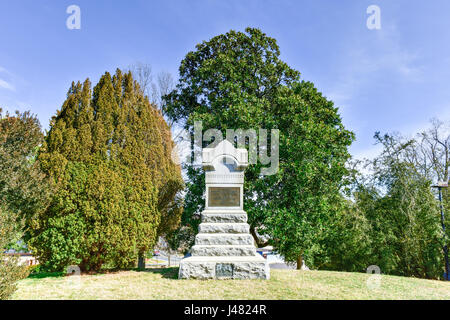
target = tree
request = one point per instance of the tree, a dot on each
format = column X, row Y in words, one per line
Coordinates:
column 10, row 269
column 302, row 202
column 390, row 218
column 171, row 202
column 155, row 91
column 23, row 189
column 430, row 154
column 401, row 212
column 236, row 80
column 108, row 151
column 431, row 151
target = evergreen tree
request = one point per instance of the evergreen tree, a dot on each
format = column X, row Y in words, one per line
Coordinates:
column 109, row 153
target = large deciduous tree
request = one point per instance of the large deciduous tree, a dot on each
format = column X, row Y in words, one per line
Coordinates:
column 237, row 80
column 24, row 189
column 109, row 153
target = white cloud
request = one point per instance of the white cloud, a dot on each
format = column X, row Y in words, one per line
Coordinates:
column 383, row 53
column 6, row 71
column 368, row 153
column 6, row 85
column 395, row 57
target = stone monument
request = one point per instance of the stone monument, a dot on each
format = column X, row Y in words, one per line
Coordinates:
column 224, row 248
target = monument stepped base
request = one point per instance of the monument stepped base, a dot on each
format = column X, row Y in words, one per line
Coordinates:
column 201, row 267
column 224, row 249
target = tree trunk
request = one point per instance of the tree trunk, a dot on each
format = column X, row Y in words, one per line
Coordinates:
column 258, row 242
column 299, row 262
column 141, row 261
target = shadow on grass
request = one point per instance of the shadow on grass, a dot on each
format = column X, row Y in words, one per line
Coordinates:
column 41, row 275
column 167, row 273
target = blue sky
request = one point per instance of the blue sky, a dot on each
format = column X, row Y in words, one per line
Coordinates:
column 392, row 79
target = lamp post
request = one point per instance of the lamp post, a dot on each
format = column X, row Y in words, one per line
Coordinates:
column 441, row 185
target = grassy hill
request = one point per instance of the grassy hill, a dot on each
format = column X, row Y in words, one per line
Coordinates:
column 284, row 284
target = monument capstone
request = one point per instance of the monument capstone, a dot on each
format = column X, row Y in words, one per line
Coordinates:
column 224, row 248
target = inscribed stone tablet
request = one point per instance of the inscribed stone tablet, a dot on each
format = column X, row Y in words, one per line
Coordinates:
column 224, row 197
column 224, row 270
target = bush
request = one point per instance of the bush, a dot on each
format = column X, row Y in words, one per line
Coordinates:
column 10, row 272
column 23, row 190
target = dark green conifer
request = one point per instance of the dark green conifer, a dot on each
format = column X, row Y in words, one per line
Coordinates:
column 109, row 152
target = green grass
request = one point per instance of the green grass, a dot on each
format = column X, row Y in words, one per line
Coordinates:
column 162, row 283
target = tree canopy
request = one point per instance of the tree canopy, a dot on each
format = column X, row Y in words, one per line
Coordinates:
column 400, row 211
column 237, row 80
column 24, row 189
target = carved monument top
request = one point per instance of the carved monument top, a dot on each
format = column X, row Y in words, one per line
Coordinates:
column 224, row 158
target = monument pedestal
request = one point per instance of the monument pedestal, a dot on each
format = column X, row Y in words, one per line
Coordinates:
column 224, row 268
column 224, row 247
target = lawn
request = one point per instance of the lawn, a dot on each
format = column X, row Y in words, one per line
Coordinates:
column 162, row 283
